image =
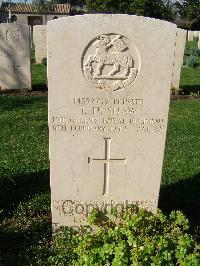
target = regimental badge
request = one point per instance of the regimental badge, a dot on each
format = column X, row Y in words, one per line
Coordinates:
column 110, row 62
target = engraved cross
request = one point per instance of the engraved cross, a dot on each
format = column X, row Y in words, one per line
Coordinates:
column 107, row 161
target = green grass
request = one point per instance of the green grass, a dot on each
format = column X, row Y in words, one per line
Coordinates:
column 39, row 77
column 24, row 147
column 190, row 77
column 39, row 74
column 181, row 170
column 24, row 176
column 25, row 225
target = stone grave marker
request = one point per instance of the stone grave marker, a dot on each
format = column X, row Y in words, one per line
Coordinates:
column 178, row 58
column 109, row 92
column 190, row 36
column 199, row 42
column 15, row 56
column 196, row 33
column 40, row 41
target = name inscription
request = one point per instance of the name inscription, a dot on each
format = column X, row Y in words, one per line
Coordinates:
column 108, row 116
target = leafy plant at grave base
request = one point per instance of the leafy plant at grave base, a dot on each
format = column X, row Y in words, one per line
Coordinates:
column 36, row 206
column 44, row 61
column 195, row 95
column 196, row 38
column 191, row 61
column 130, row 237
column 194, row 52
column 176, row 91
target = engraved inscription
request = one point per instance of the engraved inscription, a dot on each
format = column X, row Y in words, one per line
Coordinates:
column 110, row 63
column 14, row 38
column 108, row 115
column 79, row 210
column 107, row 161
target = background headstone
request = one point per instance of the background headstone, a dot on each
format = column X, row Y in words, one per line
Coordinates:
column 40, row 42
column 178, row 58
column 196, row 33
column 109, row 92
column 15, row 56
column 190, row 35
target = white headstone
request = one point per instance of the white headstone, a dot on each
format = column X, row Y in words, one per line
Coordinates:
column 196, row 34
column 15, row 56
column 179, row 56
column 190, row 35
column 40, row 41
column 109, row 91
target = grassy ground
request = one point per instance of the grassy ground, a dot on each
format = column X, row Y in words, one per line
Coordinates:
column 24, row 172
column 181, row 170
column 190, row 77
column 39, row 75
column 24, row 177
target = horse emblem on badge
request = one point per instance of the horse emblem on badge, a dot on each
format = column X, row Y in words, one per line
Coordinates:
column 110, row 63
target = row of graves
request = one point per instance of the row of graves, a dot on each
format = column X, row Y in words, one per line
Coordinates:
column 192, row 35
column 15, row 51
column 109, row 81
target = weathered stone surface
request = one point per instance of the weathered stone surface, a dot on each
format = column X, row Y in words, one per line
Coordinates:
column 15, row 67
column 178, row 58
column 109, row 90
column 40, row 41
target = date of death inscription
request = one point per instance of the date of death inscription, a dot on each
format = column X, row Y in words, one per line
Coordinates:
column 104, row 115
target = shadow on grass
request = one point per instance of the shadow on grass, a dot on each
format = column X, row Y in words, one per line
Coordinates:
column 20, row 245
column 21, row 188
column 187, row 89
column 184, row 196
column 40, row 87
column 12, row 103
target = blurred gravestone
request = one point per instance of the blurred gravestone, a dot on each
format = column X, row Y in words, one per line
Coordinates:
column 15, row 67
column 190, row 35
column 178, row 58
column 40, row 42
column 196, row 34
column 109, row 92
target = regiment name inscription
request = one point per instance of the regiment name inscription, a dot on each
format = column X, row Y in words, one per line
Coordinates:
column 107, row 115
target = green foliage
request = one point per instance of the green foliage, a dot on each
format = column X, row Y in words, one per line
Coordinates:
column 150, row 8
column 189, row 9
column 45, row 6
column 192, row 56
column 44, row 61
column 196, row 25
column 176, row 91
column 36, row 206
column 190, row 77
column 195, row 52
column 130, row 237
column 191, row 61
column 39, row 77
